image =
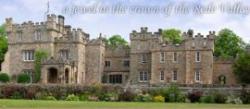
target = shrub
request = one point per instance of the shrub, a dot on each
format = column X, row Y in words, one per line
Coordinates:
column 156, row 92
column 173, row 94
column 108, row 97
column 83, row 97
column 126, row 96
column 245, row 97
column 4, row 77
column 23, row 78
column 72, row 97
column 17, row 95
column 194, row 96
column 159, row 98
column 93, row 98
column 207, row 99
column 41, row 95
column 233, row 100
column 219, row 97
column 143, row 98
column 49, row 98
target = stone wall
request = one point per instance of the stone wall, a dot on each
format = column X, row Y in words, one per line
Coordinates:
column 224, row 68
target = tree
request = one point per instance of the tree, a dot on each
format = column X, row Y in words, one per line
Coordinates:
column 115, row 41
column 172, row 35
column 228, row 44
column 3, row 44
column 241, row 68
column 39, row 56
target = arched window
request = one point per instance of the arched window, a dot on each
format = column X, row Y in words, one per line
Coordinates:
column 222, row 79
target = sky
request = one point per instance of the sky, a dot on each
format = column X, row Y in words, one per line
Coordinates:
column 200, row 15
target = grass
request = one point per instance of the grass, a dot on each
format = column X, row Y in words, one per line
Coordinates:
column 39, row 104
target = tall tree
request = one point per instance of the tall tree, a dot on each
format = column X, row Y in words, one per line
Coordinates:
column 172, row 35
column 3, row 44
column 228, row 44
column 241, row 68
column 116, row 40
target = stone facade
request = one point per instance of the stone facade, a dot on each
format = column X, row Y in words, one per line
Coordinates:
column 75, row 59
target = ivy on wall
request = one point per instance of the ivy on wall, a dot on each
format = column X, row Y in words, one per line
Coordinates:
column 39, row 56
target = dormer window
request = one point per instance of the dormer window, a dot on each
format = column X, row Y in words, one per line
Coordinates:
column 37, row 35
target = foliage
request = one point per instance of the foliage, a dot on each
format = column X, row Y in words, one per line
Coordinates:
column 228, row 44
column 156, row 92
column 4, row 77
column 72, row 97
column 3, row 43
column 172, row 35
column 241, row 68
column 17, row 95
column 159, row 98
column 194, row 96
column 49, row 98
column 83, row 97
column 108, row 97
column 115, row 41
column 143, row 98
column 39, row 56
column 219, row 97
column 23, row 78
column 207, row 99
column 245, row 96
column 233, row 100
column 126, row 96
column 173, row 94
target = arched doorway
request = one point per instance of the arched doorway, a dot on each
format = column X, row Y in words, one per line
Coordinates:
column 52, row 75
column 66, row 75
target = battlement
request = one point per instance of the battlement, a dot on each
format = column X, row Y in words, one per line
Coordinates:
column 190, row 35
column 75, row 34
column 144, row 34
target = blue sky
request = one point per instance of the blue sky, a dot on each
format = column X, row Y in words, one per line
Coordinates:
column 110, row 24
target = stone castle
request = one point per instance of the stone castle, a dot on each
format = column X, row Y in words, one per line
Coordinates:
column 74, row 58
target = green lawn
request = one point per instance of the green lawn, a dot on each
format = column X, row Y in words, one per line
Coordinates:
column 27, row 104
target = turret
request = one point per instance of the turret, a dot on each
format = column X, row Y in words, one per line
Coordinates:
column 8, row 24
column 51, row 22
column 61, row 23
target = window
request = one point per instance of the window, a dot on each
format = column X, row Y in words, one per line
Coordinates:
column 143, row 58
column 175, row 57
column 115, row 79
column 64, row 54
column 197, row 57
column 37, row 35
column 162, row 57
column 162, row 75
column 126, row 63
column 174, row 75
column 197, row 76
column 107, row 63
column 19, row 36
column 143, row 76
column 28, row 55
column 30, row 73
